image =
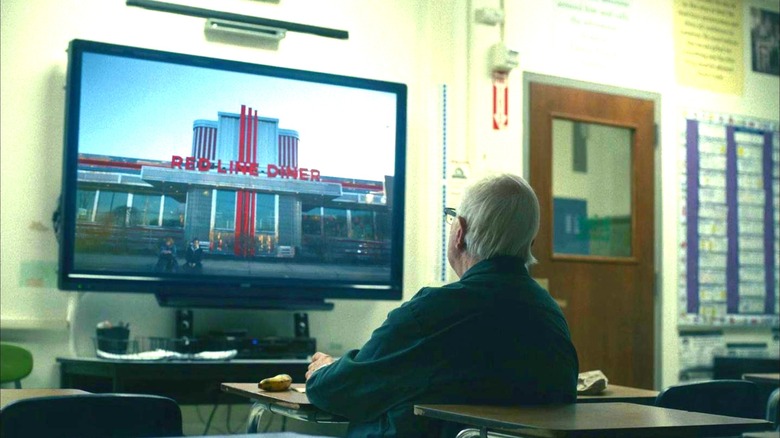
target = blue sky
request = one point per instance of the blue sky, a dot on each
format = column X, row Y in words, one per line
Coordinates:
column 145, row 109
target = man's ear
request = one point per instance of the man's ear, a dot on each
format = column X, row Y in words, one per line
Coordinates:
column 460, row 236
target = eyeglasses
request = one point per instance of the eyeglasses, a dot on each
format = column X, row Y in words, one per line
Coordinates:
column 449, row 215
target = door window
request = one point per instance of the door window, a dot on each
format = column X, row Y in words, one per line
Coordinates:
column 591, row 187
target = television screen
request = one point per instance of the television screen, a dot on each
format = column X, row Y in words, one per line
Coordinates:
column 219, row 183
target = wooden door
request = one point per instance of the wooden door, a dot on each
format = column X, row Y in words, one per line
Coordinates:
column 595, row 244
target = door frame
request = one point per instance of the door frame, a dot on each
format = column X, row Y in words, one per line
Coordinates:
column 528, row 78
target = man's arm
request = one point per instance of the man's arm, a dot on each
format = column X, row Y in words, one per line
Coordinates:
column 365, row 383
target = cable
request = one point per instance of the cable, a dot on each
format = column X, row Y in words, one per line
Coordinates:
column 444, row 233
column 211, row 417
column 200, row 416
column 227, row 419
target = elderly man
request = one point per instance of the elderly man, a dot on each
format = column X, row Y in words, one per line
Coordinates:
column 493, row 337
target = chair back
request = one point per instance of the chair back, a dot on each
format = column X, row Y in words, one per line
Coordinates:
column 735, row 398
column 92, row 416
column 773, row 408
column 16, row 363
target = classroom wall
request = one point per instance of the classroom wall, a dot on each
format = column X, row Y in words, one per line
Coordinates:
column 427, row 45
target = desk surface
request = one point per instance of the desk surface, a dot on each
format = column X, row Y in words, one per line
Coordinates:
column 295, row 399
column 617, row 393
column 770, row 434
column 592, row 420
column 771, row 378
column 292, row 399
column 205, row 363
column 289, row 403
column 11, row 395
column 296, row 404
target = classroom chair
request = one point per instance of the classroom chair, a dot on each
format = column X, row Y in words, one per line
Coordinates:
column 92, row 416
column 773, row 408
column 16, row 363
column 735, row 398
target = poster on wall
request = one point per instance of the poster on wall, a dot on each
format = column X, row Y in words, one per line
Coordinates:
column 765, row 41
column 708, row 44
column 729, row 215
column 697, row 350
column 598, row 35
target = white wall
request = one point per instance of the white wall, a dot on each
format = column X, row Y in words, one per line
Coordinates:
column 422, row 44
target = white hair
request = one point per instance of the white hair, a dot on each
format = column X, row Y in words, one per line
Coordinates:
column 502, row 218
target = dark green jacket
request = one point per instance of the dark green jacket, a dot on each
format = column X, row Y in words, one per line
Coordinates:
column 495, row 337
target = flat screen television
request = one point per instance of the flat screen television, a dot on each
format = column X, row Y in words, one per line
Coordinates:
column 216, row 183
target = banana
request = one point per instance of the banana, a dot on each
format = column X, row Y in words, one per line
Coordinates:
column 280, row 382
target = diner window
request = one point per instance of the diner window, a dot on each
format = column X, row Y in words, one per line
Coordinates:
column 382, row 221
column 361, row 225
column 173, row 213
column 85, row 205
column 311, row 221
column 145, row 210
column 225, row 214
column 265, row 217
column 111, row 208
column 335, row 222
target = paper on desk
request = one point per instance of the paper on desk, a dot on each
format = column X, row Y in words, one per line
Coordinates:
column 301, row 389
column 591, row 382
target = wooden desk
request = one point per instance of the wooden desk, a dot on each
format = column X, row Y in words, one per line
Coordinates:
column 296, row 404
column 582, row 420
column 726, row 366
column 617, row 393
column 770, row 434
column 290, row 403
column 765, row 378
column 187, row 382
column 11, row 395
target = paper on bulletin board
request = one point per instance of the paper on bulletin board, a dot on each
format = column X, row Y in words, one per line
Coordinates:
column 709, row 45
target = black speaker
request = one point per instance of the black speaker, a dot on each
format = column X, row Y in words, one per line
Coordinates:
column 184, row 321
column 301, row 321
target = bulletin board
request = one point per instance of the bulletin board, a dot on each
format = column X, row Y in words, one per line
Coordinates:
column 728, row 249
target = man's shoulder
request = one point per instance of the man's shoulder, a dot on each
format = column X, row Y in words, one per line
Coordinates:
column 443, row 299
column 439, row 292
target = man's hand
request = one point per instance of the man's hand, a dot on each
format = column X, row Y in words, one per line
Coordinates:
column 318, row 361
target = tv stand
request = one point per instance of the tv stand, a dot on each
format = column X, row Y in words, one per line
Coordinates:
column 241, row 302
column 186, row 381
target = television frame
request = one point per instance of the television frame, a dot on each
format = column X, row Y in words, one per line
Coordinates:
column 220, row 291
